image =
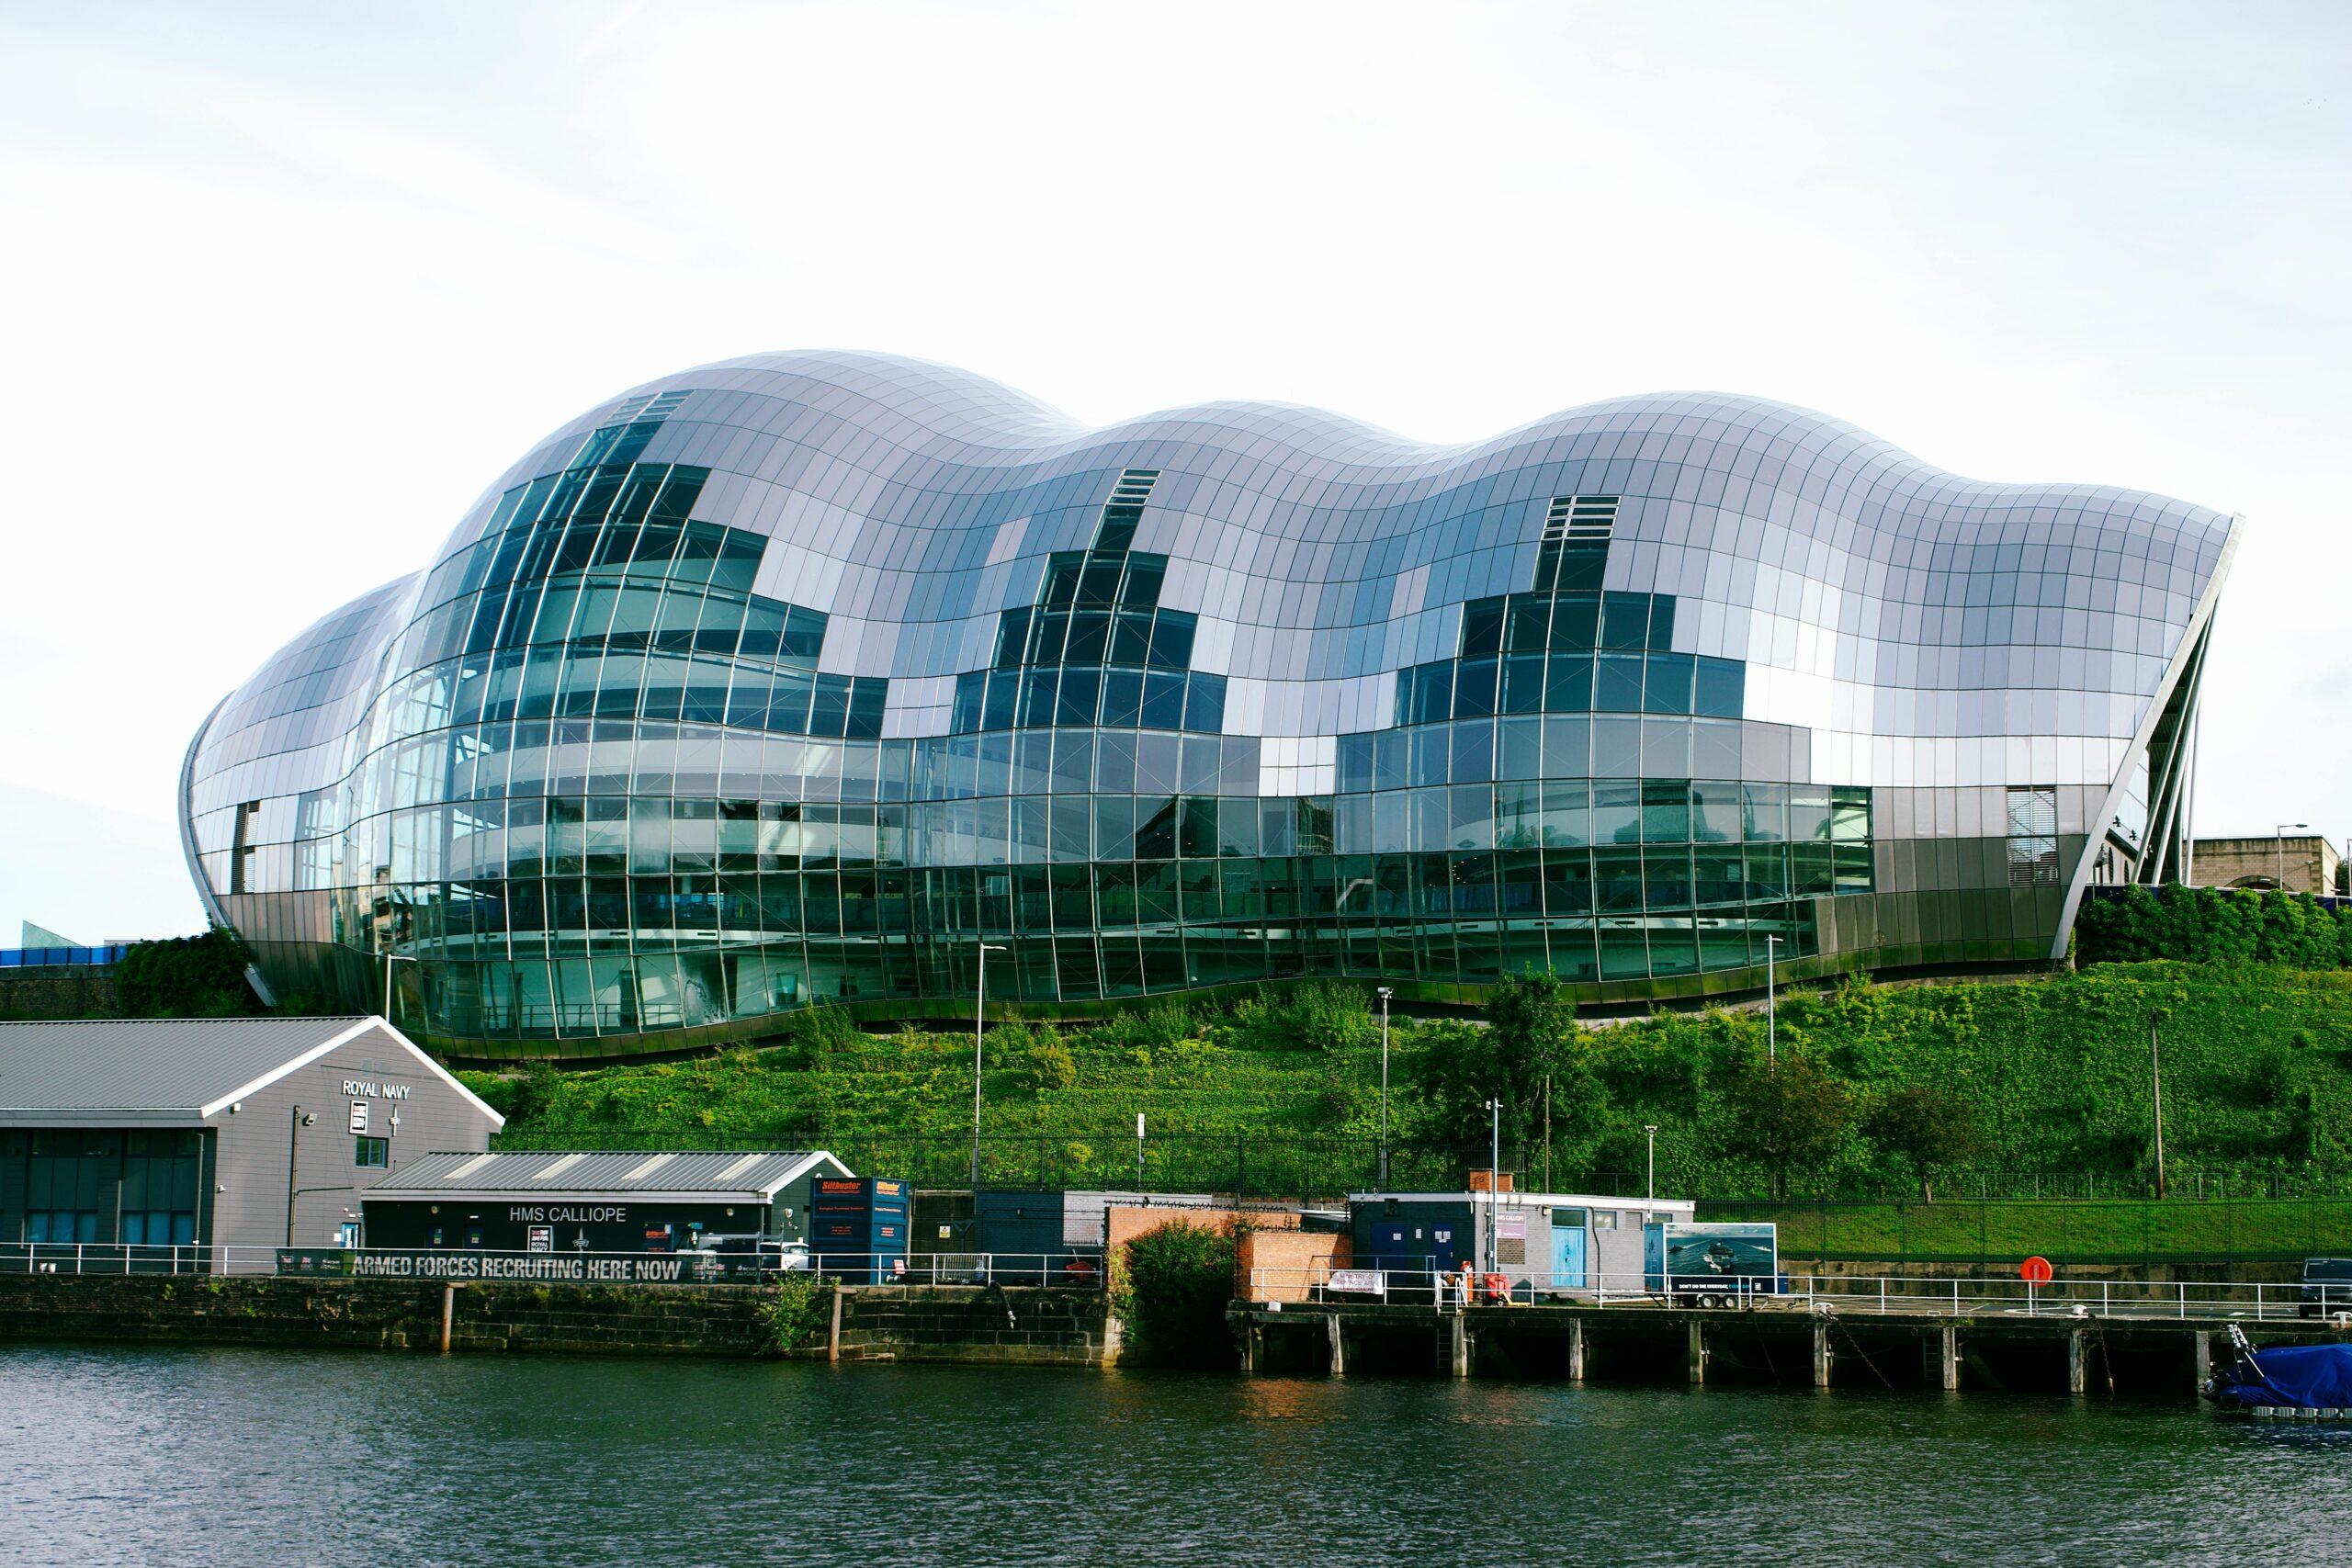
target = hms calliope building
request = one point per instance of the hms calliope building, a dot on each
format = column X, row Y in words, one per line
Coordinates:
column 796, row 678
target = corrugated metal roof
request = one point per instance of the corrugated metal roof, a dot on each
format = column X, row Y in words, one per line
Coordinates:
column 153, row 1065
column 606, row 1173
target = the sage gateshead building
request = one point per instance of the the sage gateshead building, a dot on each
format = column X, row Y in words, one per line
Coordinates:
column 796, row 678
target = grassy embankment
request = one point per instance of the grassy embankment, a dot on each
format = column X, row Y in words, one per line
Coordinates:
column 2257, row 1086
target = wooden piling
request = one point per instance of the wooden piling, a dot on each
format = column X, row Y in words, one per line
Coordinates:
column 1339, row 1353
column 1576, row 1349
column 1940, row 1358
column 448, row 1313
column 2077, row 1362
column 1824, row 1358
column 1696, row 1357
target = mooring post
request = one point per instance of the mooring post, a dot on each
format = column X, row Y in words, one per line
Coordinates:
column 2076, row 1363
column 1250, row 1347
column 1457, row 1346
column 1576, row 1349
column 1940, row 1358
column 2204, row 1339
column 448, row 1313
column 1697, row 1358
column 1339, row 1354
column 833, row 1334
column 1824, row 1358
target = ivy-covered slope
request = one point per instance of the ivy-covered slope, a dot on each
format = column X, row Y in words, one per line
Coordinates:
column 2053, row 1073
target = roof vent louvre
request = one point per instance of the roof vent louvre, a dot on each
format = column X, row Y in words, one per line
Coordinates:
column 1575, row 542
column 1116, row 530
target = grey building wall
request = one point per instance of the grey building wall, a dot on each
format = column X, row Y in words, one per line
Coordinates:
column 255, row 1143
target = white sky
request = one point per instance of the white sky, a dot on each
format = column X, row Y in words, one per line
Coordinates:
column 287, row 288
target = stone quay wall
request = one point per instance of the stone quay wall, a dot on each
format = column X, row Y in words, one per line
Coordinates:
column 1039, row 1325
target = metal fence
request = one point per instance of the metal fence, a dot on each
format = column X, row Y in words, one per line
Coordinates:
column 1081, row 1268
column 1312, row 1166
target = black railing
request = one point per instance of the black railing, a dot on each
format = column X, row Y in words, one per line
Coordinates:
column 1309, row 1168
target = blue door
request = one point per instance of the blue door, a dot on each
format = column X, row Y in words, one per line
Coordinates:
column 1567, row 1257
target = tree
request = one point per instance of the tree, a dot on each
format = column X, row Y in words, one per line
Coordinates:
column 185, row 976
column 1531, row 1051
column 1926, row 1127
column 1786, row 1116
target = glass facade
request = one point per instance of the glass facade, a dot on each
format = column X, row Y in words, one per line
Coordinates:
column 792, row 679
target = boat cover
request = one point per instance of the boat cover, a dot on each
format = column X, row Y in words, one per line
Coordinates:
column 2306, row 1377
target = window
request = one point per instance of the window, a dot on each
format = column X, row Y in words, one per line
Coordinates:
column 372, row 1154
column 2034, row 835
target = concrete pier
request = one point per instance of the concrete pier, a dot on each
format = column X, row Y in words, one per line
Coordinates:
column 1782, row 1344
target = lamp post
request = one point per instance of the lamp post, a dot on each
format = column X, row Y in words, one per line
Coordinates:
column 1649, row 1131
column 979, row 1024
column 1385, row 994
column 2156, row 1094
column 1772, row 1008
column 301, row 1119
column 1494, row 1175
column 2299, row 827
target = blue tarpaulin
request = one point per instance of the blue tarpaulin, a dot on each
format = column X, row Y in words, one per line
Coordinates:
column 2306, row 1377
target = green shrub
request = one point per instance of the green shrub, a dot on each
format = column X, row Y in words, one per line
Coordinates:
column 185, row 976
column 789, row 1311
column 1322, row 1015
column 1171, row 1286
column 2213, row 925
column 1051, row 1066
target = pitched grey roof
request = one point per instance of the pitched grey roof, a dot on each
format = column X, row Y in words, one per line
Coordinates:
column 170, row 1070
column 746, row 1176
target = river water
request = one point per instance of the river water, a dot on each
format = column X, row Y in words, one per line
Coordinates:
column 232, row 1457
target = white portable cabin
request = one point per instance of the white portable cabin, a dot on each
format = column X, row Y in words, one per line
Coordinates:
column 1542, row 1242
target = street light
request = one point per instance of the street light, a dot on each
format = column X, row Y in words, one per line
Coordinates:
column 2299, row 827
column 1649, row 1131
column 1494, row 1178
column 979, row 1023
column 1772, row 1008
column 2156, row 1094
column 1385, row 994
